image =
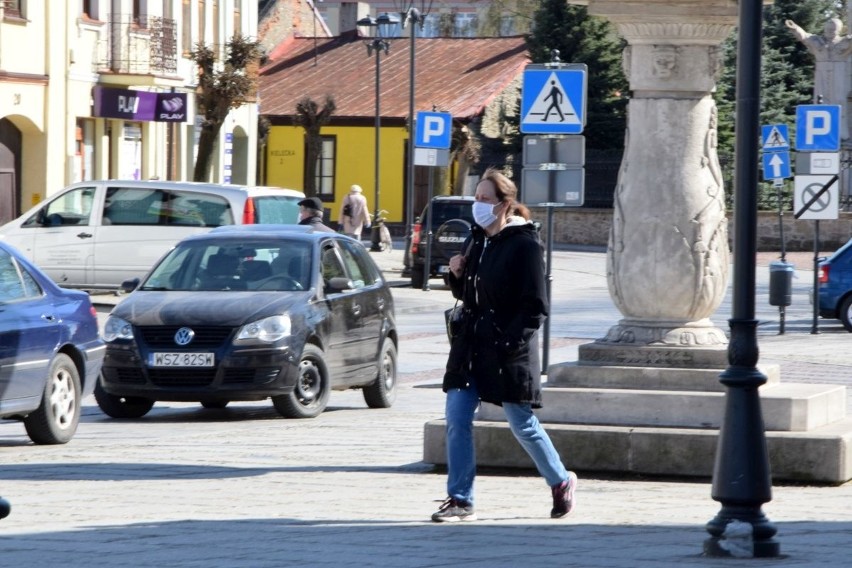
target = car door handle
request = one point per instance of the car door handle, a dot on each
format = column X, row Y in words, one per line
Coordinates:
column 48, row 317
column 356, row 309
column 84, row 235
column 381, row 303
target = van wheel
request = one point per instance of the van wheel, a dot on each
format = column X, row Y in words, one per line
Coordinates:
column 417, row 277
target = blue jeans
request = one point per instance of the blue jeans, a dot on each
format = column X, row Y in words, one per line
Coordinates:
column 461, row 458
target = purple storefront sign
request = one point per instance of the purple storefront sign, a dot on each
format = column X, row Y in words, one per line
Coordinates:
column 139, row 105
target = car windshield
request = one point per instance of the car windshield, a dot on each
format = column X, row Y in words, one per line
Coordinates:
column 273, row 266
column 443, row 212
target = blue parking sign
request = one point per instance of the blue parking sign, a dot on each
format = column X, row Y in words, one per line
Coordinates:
column 433, row 130
column 818, row 128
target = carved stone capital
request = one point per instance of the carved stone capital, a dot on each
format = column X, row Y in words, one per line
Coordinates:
column 676, row 33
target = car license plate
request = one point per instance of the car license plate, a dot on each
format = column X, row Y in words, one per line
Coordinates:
column 443, row 269
column 181, row 360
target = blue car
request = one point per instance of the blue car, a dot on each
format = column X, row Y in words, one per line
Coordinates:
column 50, row 350
column 835, row 286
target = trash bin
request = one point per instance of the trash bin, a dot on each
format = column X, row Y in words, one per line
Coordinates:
column 780, row 283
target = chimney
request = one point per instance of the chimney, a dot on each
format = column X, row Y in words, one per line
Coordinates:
column 350, row 13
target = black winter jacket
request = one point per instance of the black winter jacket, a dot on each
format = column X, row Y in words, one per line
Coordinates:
column 505, row 302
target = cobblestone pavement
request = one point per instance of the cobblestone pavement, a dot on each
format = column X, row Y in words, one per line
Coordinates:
column 240, row 487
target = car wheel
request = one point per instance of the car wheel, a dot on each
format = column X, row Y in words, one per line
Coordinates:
column 382, row 392
column 846, row 313
column 57, row 416
column 214, row 404
column 417, row 277
column 122, row 406
column 310, row 396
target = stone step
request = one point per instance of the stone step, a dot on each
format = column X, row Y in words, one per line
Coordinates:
column 796, row 407
column 821, row 455
column 578, row 375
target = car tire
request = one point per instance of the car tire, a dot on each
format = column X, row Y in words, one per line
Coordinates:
column 214, row 404
column 311, row 393
column 122, row 406
column 382, row 392
column 55, row 421
column 846, row 313
column 418, row 277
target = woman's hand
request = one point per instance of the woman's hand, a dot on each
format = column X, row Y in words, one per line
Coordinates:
column 457, row 265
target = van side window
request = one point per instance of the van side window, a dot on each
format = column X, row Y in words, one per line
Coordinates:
column 131, row 206
column 71, row 208
column 197, row 209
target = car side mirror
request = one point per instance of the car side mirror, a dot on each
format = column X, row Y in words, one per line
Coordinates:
column 130, row 285
column 339, row 284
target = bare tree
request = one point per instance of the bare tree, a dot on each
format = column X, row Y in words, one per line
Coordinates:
column 310, row 117
column 220, row 89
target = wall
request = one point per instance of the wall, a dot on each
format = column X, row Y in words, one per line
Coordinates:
column 580, row 226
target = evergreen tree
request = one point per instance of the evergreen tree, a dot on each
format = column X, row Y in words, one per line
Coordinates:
column 581, row 38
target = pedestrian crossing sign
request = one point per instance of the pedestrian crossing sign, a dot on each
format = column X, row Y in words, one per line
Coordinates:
column 553, row 100
column 775, row 137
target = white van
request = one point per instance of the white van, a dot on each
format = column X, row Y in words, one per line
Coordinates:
column 96, row 234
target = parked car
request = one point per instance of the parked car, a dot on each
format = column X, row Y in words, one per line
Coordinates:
column 248, row 313
column 50, row 351
column 835, row 286
column 451, row 219
column 96, row 234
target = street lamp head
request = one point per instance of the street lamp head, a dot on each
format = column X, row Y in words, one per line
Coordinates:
column 387, row 24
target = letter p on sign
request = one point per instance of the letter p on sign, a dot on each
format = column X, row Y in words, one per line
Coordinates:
column 818, row 128
column 433, row 130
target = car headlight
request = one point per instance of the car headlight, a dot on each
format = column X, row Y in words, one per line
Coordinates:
column 117, row 328
column 268, row 330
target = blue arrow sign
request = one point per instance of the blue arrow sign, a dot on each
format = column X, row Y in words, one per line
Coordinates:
column 553, row 100
column 776, row 165
column 818, row 128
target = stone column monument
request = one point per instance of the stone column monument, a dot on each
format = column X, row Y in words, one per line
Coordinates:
column 647, row 398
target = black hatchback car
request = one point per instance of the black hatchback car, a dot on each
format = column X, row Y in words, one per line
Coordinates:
column 253, row 312
column 451, row 218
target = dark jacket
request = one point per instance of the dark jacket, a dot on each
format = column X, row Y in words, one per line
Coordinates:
column 316, row 224
column 505, row 299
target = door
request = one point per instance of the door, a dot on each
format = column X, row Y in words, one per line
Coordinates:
column 63, row 242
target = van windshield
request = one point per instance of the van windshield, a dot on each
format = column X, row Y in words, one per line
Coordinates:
column 274, row 209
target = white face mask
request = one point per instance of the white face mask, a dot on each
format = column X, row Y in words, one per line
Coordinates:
column 483, row 213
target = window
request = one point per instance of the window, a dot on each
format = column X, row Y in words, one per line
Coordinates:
column 14, row 8
column 133, row 206
column 507, row 25
column 465, row 25
column 324, row 172
column 215, row 22
column 431, row 26
column 140, row 13
column 238, row 21
column 272, row 209
column 71, row 208
column 360, row 271
column 91, row 9
column 15, row 282
column 202, row 21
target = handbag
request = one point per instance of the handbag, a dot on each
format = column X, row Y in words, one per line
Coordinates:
column 455, row 320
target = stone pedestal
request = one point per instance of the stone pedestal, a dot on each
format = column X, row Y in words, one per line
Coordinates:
column 646, row 397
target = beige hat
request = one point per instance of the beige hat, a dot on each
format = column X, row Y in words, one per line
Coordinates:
column 356, row 189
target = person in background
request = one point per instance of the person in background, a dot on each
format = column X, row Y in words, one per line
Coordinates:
column 310, row 214
column 354, row 215
column 494, row 357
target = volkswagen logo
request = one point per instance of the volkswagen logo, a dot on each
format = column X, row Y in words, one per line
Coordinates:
column 184, row 336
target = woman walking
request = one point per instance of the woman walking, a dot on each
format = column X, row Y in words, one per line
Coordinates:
column 494, row 356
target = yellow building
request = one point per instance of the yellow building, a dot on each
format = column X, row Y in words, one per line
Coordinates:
column 95, row 89
column 472, row 79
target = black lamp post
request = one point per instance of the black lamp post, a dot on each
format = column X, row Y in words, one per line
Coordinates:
column 413, row 16
column 384, row 25
column 741, row 478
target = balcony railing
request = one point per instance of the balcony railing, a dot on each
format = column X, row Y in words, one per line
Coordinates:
column 139, row 46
